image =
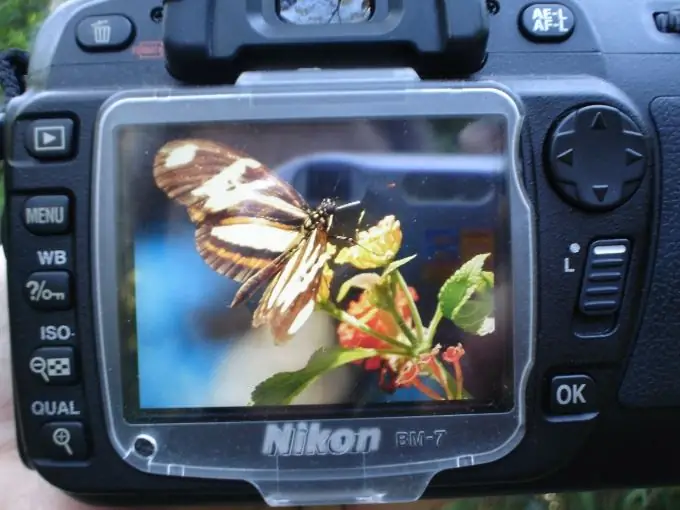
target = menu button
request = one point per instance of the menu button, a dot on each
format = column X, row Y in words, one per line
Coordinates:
column 47, row 214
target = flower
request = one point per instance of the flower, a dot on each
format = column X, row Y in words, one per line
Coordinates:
column 324, row 292
column 331, row 249
column 400, row 372
column 375, row 247
column 378, row 320
column 407, row 374
column 453, row 354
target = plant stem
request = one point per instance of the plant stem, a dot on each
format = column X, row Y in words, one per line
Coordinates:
column 432, row 328
column 440, row 374
column 391, row 352
column 415, row 314
column 392, row 310
column 426, row 391
column 459, row 380
column 345, row 317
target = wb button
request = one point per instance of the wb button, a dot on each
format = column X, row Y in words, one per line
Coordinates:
column 573, row 394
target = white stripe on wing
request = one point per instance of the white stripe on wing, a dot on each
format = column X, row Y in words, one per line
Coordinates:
column 256, row 236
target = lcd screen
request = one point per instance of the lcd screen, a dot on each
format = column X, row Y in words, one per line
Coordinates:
column 316, row 267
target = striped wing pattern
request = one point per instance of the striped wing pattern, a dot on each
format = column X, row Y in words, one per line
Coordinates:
column 290, row 298
column 248, row 228
column 246, row 216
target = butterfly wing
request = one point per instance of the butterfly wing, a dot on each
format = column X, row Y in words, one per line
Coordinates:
column 290, row 298
column 246, row 216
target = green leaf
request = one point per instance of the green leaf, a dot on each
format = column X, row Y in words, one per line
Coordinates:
column 458, row 289
column 489, row 277
column 472, row 316
column 587, row 501
column 636, row 499
column 362, row 281
column 282, row 388
column 397, row 264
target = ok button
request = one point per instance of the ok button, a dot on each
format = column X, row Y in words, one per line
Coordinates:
column 572, row 394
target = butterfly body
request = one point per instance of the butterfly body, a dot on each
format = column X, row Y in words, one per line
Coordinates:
column 251, row 226
column 321, row 217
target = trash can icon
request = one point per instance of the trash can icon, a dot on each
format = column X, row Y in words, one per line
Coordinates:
column 101, row 31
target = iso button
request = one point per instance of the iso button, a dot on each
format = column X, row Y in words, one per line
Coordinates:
column 573, row 394
column 54, row 365
column 549, row 22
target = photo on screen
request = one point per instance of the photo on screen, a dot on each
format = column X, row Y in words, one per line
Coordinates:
column 314, row 267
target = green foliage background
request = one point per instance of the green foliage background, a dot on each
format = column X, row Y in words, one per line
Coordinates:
column 19, row 19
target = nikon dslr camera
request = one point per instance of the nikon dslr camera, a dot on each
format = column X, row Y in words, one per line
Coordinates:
column 323, row 252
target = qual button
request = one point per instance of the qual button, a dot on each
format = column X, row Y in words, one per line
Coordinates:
column 550, row 22
column 64, row 441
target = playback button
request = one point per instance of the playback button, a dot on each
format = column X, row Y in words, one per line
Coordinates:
column 50, row 138
column 49, row 290
column 64, row 441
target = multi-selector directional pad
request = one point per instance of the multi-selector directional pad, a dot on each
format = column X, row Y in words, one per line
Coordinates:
column 598, row 157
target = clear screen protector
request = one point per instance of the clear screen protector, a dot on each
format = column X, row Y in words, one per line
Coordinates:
column 311, row 291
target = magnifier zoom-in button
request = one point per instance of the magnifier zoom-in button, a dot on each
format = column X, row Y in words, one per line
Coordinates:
column 64, row 441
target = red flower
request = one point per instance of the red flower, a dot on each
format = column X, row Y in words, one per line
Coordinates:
column 408, row 373
column 453, row 354
column 378, row 320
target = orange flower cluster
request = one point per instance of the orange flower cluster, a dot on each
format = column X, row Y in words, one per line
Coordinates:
column 378, row 320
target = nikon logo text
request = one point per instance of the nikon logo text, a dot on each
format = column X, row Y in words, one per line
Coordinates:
column 308, row 439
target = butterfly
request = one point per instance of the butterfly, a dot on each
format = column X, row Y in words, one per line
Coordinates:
column 252, row 227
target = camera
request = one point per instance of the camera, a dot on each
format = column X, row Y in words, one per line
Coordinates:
column 345, row 252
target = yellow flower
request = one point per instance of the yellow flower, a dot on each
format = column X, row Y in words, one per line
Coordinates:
column 324, row 292
column 331, row 249
column 375, row 247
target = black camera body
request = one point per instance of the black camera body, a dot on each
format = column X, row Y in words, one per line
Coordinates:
column 572, row 183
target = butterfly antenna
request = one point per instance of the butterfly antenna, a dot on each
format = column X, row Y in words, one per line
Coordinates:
column 348, row 206
column 353, row 242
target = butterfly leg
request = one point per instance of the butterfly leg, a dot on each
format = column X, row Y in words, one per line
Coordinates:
column 349, row 240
